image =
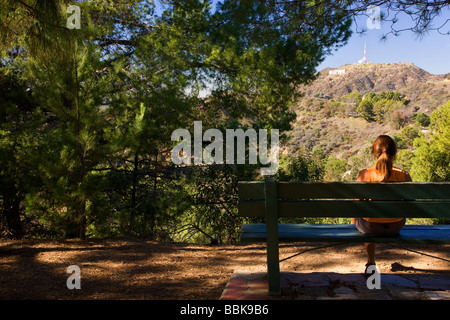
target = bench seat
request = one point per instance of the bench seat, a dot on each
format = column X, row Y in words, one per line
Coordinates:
column 430, row 234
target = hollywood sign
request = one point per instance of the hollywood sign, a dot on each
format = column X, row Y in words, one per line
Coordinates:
column 341, row 71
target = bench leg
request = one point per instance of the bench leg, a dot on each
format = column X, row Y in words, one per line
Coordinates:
column 273, row 264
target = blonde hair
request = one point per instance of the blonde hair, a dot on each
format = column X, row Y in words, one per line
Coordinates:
column 384, row 150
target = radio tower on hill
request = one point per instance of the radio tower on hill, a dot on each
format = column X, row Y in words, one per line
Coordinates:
column 363, row 60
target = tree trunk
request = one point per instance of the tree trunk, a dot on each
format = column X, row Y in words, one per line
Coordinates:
column 134, row 190
column 83, row 221
column 11, row 211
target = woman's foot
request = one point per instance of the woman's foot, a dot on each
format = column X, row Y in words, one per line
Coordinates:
column 368, row 273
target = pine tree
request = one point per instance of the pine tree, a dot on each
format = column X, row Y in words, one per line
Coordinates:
column 74, row 80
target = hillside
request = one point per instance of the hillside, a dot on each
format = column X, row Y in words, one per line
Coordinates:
column 372, row 77
column 327, row 117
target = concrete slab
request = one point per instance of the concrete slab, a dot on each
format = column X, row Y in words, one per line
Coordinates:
column 335, row 286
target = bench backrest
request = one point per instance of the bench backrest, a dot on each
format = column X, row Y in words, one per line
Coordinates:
column 344, row 199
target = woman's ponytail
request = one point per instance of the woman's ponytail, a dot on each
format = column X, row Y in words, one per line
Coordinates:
column 384, row 166
column 385, row 150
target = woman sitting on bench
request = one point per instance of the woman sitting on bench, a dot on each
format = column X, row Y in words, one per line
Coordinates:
column 384, row 150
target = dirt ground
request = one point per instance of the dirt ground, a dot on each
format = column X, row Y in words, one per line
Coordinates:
column 135, row 269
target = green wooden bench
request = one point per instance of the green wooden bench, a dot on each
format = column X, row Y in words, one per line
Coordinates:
column 271, row 200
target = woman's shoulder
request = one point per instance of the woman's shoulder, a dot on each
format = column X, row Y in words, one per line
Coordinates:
column 404, row 175
column 364, row 174
column 368, row 169
column 395, row 169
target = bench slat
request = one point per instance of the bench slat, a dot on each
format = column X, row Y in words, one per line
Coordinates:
column 341, row 209
column 251, row 190
column 348, row 190
column 437, row 234
column 363, row 190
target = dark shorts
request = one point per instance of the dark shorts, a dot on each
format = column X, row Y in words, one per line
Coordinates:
column 375, row 228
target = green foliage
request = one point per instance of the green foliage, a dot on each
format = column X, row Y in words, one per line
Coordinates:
column 432, row 156
column 335, row 169
column 376, row 107
column 20, row 123
column 300, row 168
column 351, row 101
column 356, row 163
column 365, row 109
column 334, row 108
column 370, row 106
column 354, row 97
column 405, row 145
column 405, row 137
column 422, row 119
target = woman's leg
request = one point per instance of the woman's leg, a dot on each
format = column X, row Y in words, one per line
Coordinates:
column 363, row 227
column 370, row 249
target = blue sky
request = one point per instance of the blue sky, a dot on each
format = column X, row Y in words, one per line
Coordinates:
column 432, row 53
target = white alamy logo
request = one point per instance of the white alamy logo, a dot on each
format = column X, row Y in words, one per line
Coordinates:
column 74, row 281
column 214, row 152
column 374, row 20
column 73, row 22
column 374, row 280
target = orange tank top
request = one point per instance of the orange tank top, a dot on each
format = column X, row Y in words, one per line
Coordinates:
column 397, row 175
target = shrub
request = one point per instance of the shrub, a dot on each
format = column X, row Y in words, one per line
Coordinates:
column 423, row 119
